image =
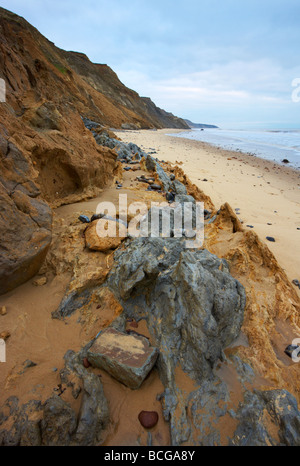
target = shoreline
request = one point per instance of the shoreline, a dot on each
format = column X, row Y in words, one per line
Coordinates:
column 263, row 191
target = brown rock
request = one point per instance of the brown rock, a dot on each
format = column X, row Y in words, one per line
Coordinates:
column 4, row 335
column 86, row 363
column 128, row 358
column 95, row 239
column 40, row 281
column 148, row 419
column 3, row 311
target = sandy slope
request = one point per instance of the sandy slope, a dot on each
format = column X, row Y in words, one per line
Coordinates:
column 263, row 191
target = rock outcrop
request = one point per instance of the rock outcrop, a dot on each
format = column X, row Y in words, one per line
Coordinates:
column 25, row 220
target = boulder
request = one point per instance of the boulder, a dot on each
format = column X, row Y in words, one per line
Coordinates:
column 128, row 358
column 192, row 304
column 115, row 233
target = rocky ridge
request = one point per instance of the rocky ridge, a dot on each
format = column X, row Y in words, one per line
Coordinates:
column 226, row 380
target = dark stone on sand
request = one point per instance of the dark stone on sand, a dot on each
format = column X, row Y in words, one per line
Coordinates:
column 170, row 197
column 127, row 168
column 285, row 161
column 289, row 350
column 271, row 239
column 97, row 217
column 296, row 282
column 148, row 419
column 156, row 187
column 250, row 226
column 172, row 177
column 84, row 219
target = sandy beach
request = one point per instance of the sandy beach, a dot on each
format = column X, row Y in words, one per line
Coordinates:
column 265, row 192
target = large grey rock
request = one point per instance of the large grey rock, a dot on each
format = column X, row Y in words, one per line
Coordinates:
column 192, row 304
column 280, row 427
column 23, row 422
column 128, row 358
column 94, row 413
column 194, row 308
column 58, row 423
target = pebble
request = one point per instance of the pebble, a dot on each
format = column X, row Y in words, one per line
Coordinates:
column 157, row 187
column 127, row 169
column 148, row 419
column 271, row 239
column 170, row 197
column 3, row 311
column 84, row 219
column 97, row 217
column 134, row 324
column 40, row 281
column 4, row 335
column 296, row 283
column 86, row 363
column 250, row 226
column 290, row 349
column 285, row 161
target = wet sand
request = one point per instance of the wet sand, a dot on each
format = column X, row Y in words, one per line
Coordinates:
column 265, row 192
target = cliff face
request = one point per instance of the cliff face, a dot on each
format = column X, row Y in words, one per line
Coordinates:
column 33, row 67
column 46, row 152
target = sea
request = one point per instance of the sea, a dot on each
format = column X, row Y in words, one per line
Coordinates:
column 275, row 145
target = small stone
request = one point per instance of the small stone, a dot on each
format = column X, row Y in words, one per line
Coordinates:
column 156, row 187
column 134, row 324
column 40, row 281
column 172, row 177
column 148, row 419
column 84, row 219
column 250, row 226
column 271, row 239
column 3, row 311
column 97, row 217
column 4, row 335
column 285, row 161
column 170, row 197
column 127, row 169
column 86, row 363
column 290, row 349
column 296, row 282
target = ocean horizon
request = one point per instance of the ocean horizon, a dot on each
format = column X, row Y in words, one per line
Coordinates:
column 271, row 144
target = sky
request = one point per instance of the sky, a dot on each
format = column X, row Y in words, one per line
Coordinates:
column 232, row 63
